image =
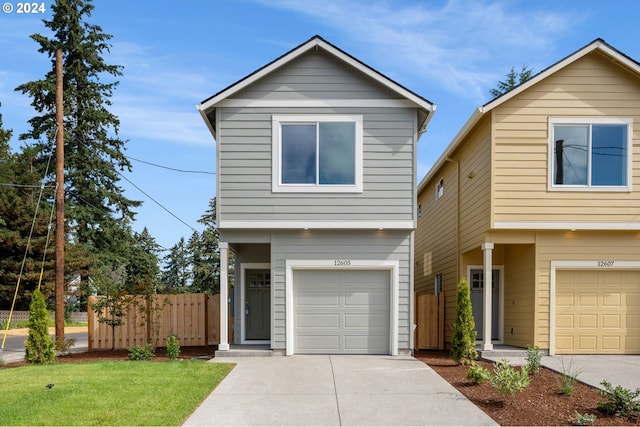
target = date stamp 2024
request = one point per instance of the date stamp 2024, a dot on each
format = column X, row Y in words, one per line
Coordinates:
column 24, row 8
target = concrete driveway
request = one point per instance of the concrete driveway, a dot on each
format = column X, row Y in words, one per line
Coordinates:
column 334, row 391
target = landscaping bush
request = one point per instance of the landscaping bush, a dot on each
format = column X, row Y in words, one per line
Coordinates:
column 39, row 346
column 141, row 352
column 173, row 347
column 478, row 374
column 569, row 375
column 506, row 380
column 534, row 357
column 582, row 419
column 464, row 337
column 620, row 401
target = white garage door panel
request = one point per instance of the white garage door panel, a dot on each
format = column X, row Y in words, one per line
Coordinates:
column 341, row 311
column 597, row 312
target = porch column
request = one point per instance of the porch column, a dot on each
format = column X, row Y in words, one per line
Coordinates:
column 487, row 249
column 224, row 296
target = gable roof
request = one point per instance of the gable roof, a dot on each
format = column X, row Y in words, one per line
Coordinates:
column 316, row 42
column 597, row 45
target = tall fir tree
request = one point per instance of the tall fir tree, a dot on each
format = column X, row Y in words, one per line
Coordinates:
column 24, row 213
column 205, row 254
column 143, row 267
column 177, row 272
column 97, row 211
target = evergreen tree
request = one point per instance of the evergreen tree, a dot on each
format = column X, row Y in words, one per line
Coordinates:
column 39, row 346
column 205, row 254
column 512, row 80
column 95, row 205
column 464, row 336
column 143, row 267
column 19, row 202
column 177, row 271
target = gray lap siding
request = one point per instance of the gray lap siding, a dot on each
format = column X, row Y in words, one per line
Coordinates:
column 245, row 169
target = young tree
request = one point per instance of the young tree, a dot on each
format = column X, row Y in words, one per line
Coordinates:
column 512, row 80
column 39, row 346
column 111, row 301
column 464, row 336
column 95, row 205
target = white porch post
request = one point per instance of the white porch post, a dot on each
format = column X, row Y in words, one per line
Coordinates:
column 487, row 248
column 224, row 296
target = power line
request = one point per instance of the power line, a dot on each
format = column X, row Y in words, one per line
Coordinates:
column 155, row 201
column 170, row 168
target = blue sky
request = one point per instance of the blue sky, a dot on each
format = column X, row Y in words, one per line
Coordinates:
column 178, row 53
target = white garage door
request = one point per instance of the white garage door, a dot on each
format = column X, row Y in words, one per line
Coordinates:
column 597, row 312
column 341, row 311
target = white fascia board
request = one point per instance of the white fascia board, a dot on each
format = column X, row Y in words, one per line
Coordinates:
column 471, row 122
column 203, row 114
column 302, row 103
column 560, row 225
column 315, row 43
column 318, row 225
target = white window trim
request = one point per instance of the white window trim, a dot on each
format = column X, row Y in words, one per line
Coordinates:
column 587, row 121
column 440, row 189
column 325, row 264
column 276, row 173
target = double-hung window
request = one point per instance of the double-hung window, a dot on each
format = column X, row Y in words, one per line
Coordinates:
column 590, row 153
column 317, row 153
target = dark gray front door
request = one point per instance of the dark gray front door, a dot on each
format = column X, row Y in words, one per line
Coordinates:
column 477, row 302
column 257, row 304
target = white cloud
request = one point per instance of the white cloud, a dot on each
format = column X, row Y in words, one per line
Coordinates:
column 463, row 45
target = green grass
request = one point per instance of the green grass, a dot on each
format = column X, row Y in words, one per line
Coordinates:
column 106, row 393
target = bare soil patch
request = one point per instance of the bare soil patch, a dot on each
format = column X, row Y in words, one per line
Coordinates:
column 539, row 404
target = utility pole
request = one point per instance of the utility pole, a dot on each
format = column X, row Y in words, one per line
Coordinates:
column 59, row 201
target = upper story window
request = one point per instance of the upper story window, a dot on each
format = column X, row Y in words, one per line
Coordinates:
column 440, row 189
column 590, row 153
column 317, row 153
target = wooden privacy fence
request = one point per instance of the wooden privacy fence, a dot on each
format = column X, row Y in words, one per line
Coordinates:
column 193, row 318
column 429, row 332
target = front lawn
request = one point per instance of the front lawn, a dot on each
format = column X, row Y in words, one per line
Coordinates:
column 106, row 393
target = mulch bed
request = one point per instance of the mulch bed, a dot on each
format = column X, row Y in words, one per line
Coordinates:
column 539, row 404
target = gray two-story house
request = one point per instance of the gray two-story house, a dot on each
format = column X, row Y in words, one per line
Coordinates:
column 316, row 197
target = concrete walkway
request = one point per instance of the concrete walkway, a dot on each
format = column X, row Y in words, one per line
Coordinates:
column 334, row 391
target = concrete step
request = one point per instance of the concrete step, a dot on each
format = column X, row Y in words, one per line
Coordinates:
column 245, row 351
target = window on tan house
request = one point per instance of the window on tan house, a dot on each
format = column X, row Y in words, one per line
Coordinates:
column 440, row 189
column 590, row 153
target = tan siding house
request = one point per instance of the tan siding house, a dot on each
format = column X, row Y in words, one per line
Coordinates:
column 543, row 210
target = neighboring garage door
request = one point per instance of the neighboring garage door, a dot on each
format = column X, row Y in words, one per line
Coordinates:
column 341, row 311
column 597, row 312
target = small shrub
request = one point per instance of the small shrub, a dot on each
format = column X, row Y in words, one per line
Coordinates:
column 478, row 374
column 568, row 377
column 506, row 380
column 620, row 401
column 39, row 347
column 582, row 419
column 173, row 347
column 63, row 347
column 534, row 357
column 464, row 337
column 141, row 352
